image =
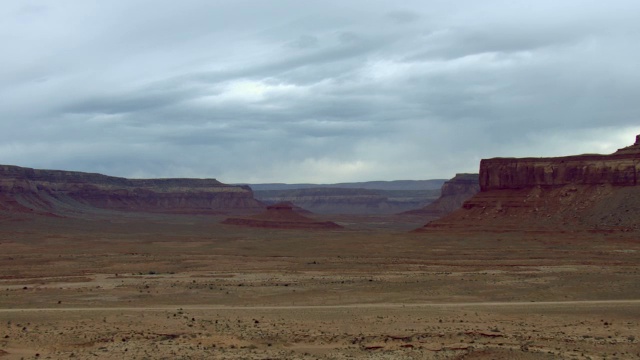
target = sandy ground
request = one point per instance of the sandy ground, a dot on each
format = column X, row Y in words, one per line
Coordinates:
column 187, row 287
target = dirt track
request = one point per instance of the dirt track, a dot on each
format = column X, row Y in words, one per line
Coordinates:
column 349, row 306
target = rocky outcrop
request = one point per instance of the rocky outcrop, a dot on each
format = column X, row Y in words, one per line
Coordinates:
column 583, row 192
column 454, row 193
column 53, row 192
column 282, row 216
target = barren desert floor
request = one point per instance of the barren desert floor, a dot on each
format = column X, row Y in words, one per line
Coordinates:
column 188, row 287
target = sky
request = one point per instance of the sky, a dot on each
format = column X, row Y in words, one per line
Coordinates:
column 313, row 91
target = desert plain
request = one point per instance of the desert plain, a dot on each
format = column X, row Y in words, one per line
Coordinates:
column 157, row 286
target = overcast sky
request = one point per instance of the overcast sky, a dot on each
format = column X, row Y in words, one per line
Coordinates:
column 313, row 91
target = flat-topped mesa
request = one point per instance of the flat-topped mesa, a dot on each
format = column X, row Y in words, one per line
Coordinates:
column 8, row 172
column 571, row 193
column 64, row 192
column 621, row 168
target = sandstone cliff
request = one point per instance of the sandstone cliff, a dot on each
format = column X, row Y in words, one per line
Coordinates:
column 584, row 192
column 618, row 169
column 53, row 192
column 453, row 194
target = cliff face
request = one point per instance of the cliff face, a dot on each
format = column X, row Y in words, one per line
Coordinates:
column 52, row 192
column 453, row 194
column 619, row 169
column 584, row 192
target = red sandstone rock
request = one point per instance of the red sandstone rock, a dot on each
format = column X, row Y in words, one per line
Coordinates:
column 281, row 216
column 585, row 192
column 620, row 168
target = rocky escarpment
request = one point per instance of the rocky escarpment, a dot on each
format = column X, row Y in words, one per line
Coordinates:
column 619, row 169
column 454, row 193
column 583, row 192
column 53, row 192
column 282, row 216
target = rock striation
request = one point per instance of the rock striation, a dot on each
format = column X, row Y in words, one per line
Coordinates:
column 282, row 216
column 453, row 194
column 583, row 192
column 61, row 193
column 619, row 169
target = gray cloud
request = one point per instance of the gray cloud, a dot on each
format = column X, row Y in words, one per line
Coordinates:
column 403, row 16
column 292, row 91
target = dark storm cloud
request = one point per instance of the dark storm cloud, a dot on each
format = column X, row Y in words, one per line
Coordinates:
column 250, row 91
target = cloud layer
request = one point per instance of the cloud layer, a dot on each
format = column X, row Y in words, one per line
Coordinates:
column 302, row 91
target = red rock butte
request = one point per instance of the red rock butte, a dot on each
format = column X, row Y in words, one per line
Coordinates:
column 281, row 216
column 581, row 192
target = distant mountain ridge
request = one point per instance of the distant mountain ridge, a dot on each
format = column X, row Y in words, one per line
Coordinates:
column 416, row 185
column 356, row 200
